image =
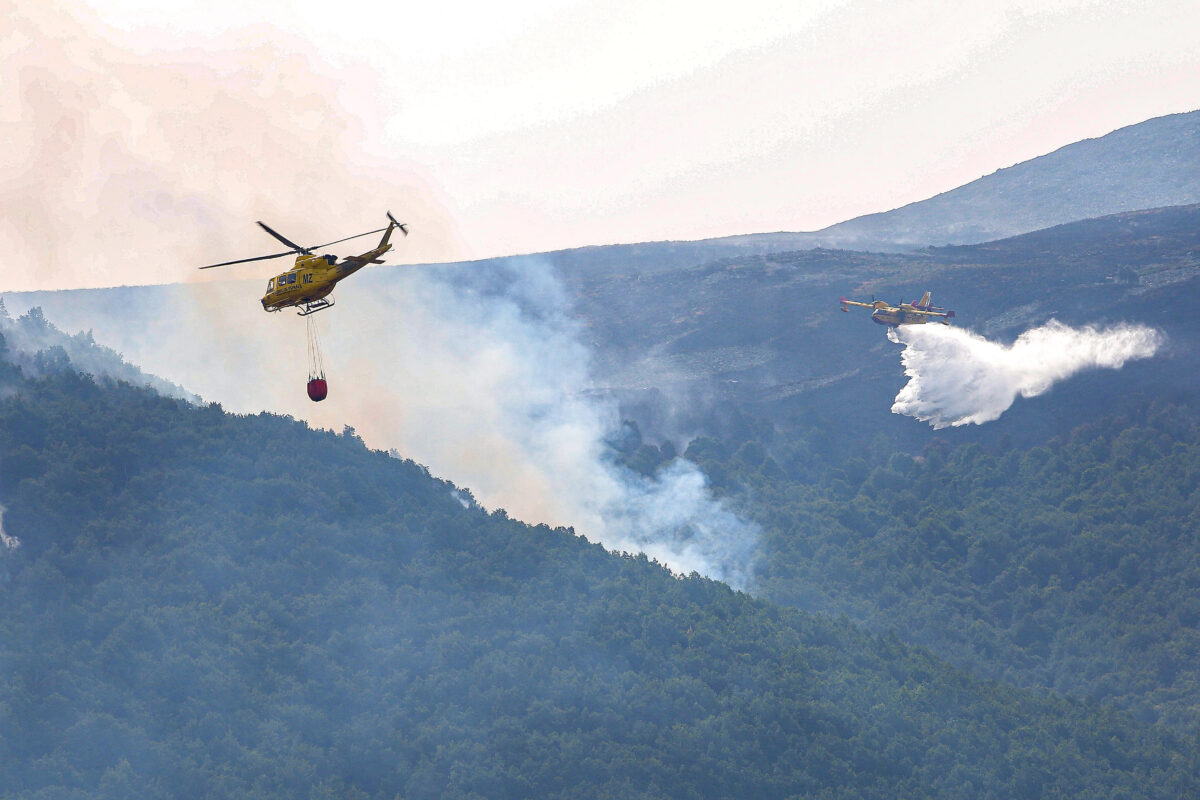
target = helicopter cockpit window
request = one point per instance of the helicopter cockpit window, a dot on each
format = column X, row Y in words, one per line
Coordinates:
column 270, row 284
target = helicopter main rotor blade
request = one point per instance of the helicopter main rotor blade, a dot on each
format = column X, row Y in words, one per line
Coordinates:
column 244, row 260
column 348, row 238
column 297, row 248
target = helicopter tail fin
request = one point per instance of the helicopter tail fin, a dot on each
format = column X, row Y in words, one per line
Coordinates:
column 392, row 225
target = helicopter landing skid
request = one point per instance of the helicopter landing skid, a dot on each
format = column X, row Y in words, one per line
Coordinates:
column 315, row 306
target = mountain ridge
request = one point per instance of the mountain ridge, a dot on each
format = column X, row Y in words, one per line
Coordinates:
column 1146, row 165
column 1150, row 164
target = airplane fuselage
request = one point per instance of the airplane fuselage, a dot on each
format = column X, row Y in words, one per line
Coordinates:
column 895, row 317
column 903, row 314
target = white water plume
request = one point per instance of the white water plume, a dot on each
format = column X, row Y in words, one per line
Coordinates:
column 956, row 377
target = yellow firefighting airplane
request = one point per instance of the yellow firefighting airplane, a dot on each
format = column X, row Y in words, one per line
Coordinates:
column 310, row 280
column 917, row 313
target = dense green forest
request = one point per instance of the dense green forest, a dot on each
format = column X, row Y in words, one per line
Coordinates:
column 198, row 604
column 1072, row 565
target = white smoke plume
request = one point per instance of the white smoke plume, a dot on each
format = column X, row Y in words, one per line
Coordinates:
column 32, row 342
column 956, row 377
column 486, row 379
column 8, row 546
column 479, row 372
column 7, row 543
column 134, row 165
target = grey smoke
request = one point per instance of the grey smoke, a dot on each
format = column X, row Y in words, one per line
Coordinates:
column 132, row 167
column 480, row 372
column 7, row 543
column 956, row 377
column 491, row 385
column 36, row 345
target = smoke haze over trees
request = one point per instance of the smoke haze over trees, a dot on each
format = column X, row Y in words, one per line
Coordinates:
column 239, row 605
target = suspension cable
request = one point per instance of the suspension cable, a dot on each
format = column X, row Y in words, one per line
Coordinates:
column 316, row 361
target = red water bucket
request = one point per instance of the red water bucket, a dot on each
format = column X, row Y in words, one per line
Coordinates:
column 317, row 389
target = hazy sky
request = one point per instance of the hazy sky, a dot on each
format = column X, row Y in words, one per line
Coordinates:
column 144, row 137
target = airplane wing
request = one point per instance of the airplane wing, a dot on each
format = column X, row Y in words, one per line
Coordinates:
column 944, row 315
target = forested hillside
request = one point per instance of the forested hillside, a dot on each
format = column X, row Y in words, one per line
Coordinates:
column 1071, row 565
column 199, row 604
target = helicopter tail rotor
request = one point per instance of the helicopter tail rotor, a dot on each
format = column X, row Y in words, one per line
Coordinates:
column 403, row 226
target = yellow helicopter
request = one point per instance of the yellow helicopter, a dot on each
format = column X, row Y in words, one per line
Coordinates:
column 307, row 284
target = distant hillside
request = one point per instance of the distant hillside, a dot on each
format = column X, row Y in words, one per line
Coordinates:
column 1151, row 164
column 762, row 331
column 684, row 339
column 764, row 335
column 1148, row 165
column 199, row 604
column 37, row 345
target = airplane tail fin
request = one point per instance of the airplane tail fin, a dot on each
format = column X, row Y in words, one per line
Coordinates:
column 924, row 302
